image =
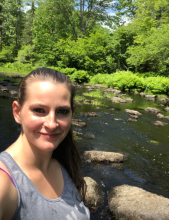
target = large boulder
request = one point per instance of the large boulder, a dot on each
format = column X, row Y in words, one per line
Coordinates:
column 152, row 110
column 132, row 112
column 103, row 157
column 94, row 195
column 133, row 203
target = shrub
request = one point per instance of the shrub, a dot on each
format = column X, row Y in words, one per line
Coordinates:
column 80, row 76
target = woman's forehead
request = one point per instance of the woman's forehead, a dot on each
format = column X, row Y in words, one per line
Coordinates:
column 45, row 89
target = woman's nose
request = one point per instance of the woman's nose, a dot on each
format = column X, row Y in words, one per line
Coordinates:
column 51, row 121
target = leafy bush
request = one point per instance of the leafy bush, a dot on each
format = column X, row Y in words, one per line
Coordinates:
column 127, row 81
column 7, row 54
column 68, row 71
column 80, row 76
column 25, row 54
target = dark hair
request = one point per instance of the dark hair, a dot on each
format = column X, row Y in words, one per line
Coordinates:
column 66, row 153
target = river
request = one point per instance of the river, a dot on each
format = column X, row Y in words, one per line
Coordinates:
column 144, row 144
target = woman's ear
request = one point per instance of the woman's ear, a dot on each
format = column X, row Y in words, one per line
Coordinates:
column 16, row 111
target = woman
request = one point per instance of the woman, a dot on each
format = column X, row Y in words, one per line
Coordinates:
column 40, row 172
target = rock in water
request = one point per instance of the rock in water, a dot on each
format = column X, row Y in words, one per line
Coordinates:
column 103, row 157
column 133, row 203
column 78, row 123
column 152, row 110
column 89, row 136
column 94, row 195
column 159, row 123
column 131, row 119
column 167, row 109
column 132, row 112
column 160, row 115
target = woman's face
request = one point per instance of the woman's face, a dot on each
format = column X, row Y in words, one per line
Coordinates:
column 45, row 115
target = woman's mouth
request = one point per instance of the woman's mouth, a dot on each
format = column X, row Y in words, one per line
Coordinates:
column 48, row 135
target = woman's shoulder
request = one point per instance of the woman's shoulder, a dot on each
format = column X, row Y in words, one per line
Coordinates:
column 8, row 197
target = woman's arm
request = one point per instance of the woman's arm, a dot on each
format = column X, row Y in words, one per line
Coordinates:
column 8, row 197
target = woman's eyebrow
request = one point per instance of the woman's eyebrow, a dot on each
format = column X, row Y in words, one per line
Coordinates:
column 42, row 105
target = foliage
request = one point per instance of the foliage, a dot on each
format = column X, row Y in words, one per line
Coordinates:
column 12, row 20
column 70, row 36
column 126, row 81
column 70, row 18
column 152, row 51
column 80, row 76
column 25, row 54
column 7, row 53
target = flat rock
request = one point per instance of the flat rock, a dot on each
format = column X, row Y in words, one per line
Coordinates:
column 131, row 119
column 123, row 101
column 89, row 136
column 78, row 123
column 167, row 109
column 129, row 100
column 133, row 203
column 159, row 115
column 151, row 99
column 89, row 114
column 77, row 133
column 166, row 117
column 163, row 99
column 152, row 110
column 150, row 96
column 159, row 123
column 94, row 195
column 134, row 116
column 103, row 157
column 13, row 92
column 132, row 112
column 117, row 119
column 142, row 94
column 4, row 89
column 111, row 109
column 115, row 99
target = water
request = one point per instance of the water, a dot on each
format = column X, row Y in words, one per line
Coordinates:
column 145, row 145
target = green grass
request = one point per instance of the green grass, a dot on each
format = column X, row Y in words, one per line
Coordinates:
column 94, row 94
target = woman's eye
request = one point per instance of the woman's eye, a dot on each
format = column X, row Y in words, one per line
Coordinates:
column 63, row 111
column 38, row 110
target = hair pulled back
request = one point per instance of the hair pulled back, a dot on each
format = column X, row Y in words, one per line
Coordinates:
column 66, row 153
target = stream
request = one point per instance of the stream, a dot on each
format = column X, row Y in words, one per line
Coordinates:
column 143, row 144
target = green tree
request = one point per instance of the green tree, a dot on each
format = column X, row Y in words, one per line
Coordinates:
column 27, row 35
column 12, row 21
column 63, row 18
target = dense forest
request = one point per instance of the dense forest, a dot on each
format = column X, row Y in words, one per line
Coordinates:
column 88, row 37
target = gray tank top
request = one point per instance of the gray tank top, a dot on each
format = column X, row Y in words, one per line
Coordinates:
column 32, row 205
